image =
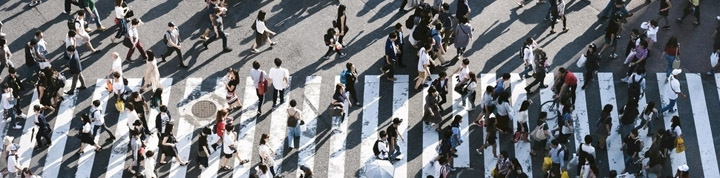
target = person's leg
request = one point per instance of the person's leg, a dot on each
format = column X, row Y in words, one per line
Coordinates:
column 179, row 53
column 95, row 129
column 67, row 6
column 38, row 139
column 82, row 80
column 142, row 50
column 669, row 106
column 210, row 40
column 168, row 51
column 291, row 137
column 282, row 96
column 98, row 24
column 605, row 12
column 402, row 5
column 224, row 40
column 130, row 52
column 275, row 95
column 261, row 99
column 353, row 93
column 74, row 83
column 697, row 14
column 670, row 60
column 329, row 52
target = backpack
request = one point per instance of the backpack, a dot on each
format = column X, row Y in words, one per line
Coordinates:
column 634, row 89
column 60, row 81
column 376, row 150
column 164, row 39
column 522, row 51
column 328, row 37
column 566, row 157
column 343, row 76
column 254, row 26
column 410, row 22
column 499, row 88
column 91, row 113
column 71, row 23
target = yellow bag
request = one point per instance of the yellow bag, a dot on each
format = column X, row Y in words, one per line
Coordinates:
column 547, row 162
column 492, row 172
column 564, row 175
column 679, row 145
column 120, row 106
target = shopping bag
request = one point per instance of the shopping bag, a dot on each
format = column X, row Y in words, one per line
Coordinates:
column 109, row 86
column 564, row 175
column 676, row 64
column 493, row 172
column 714, row 59
column 120, row 106
column 581, row 61
column 547, row 162
column 680, row 145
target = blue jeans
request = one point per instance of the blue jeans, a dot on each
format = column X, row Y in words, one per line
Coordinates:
column 610, row 8
column 96, row 19
column 528, row 68
column 397, row 151
column 469, row 96
column 642, row 123
column 122, row 28
column 291, row 134
column 625, row 129
column 669, row 106
column 670, row 60
column 31, row 71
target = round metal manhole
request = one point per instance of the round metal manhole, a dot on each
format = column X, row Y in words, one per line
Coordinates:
column 204, row 109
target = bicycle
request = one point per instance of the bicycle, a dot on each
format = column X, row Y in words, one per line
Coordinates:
column 552, row 109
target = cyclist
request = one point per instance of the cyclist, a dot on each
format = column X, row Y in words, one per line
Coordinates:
column 564, row 87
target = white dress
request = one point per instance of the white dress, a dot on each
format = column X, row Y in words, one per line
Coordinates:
column 152, row 75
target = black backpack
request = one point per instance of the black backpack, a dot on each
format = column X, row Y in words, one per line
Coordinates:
column 71, row 23
column 327, row 38
column 254, row 26
column 376, row 150
column 566, row 156
column 410, row 22
column 522, row 51
column 634, row 87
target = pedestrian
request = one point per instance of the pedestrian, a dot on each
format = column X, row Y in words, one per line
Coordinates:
column 149, row 164
column 539, row 140
column 6, row 54
column 230, row 147
column 657, row 158
column 486, row 103
column 558, row 12
column 221, row 118
column 438, row 50
column 8, row 103
column 27, row 173
column 693, row 8
column 565, row 86
column 259, row 76
column 615, row 8
column 671, row 53
column 647, row 116
column 41, row 47
column 432, row 113
column 98, row 119
column 463, row 35
column 380, row 148
column 651, row 32
column 331, row 41
column 141, row 108
column 557, row 155
column 13, row 81
column 672, row 90
column 632, row 145
column 440, row 164
column 469, row 94
column 293, row 124
column 586, row 153
column 86, row 136
column 400, row 42
column 490, row 137
column 117, row 85
column 447, row 151
column 162, row 119
column 502, row 166
column 267, row 154
column 340, row 23
column 516, row 170
column 463, row 10
column 262, row 33
column 262, row 172
column 675, row 128
column 424, row 63
column 716, row 47
column 611, row 32
column 392, row 54
column 565, row 125
column 156, row 98
column 94, row 15
column 338, row 103
column 448, row 21
column 502, row 85
column 116, row 65
column 68, row 7
column 604, row 124
column 589, row 168
column 528, row 55
column 503, row 111
column 521, row 115
column 172, row 42
column 456, row 138
column 169, row 146
column 682, row 171
column 280, row 79
column 203, row 148
column 135, row 40
column 627, row 117
column 592, row 65
column 212, row 4
column 121, row 13
column 44, row 130
column 540, row 71
column 393, row 134
column 442, row 86
column 152, row 74
column 351, row 76
column 663, row 13
column 231, row 82
column 31, row 58
column 13, row 166
column 637, row 60
column 82, row 31
column 137, row 147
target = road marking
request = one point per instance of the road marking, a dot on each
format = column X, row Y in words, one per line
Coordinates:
column 614, row 140
column 62, row 127
column 87, row 160
column 27, row 139
column 522, row 148
column 400, row 110
column 430, row 139
column 278, row 129
column 580, row 114
column 702, row 124
column 488, row 158
column 116, row 164
column 246, row 133
column 311, row 108
column 336, row 162
column 370, row 129
column 463, row 150
column 676, row 159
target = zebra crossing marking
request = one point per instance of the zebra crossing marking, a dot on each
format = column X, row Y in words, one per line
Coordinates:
column 522, row 148
column 246, row 133
column 311, row 107
column 86, row 161
column 676, row 159
column 62, row 127
column 488, row 158
column 116, row 162
column 462, row 150
column 25, row 151
column 614, row 140
column 278, row 128
column 430, row 140
column 370, row 129
column 336, row 162
column 702, row 124
column 400, row 110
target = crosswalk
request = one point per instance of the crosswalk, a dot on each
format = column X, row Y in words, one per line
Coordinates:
column 326, row 149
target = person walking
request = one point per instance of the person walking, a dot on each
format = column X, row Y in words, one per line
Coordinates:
column 502, row 166
column 169, row 146
column 162, row 119
column 212, row 5
column 448, row 21
column 86, row 135
column 41, row 47
column 13, row 166
column 521, row 115
column 98, row 119
column 13, row 81
column 463, row 35
column 672, row 90
column 469, row 94
column 230, row 147
column 432, row 113
column 592, row 65
column 94, row 15
column 340, row 23
column 392, row 54
column 172, row 42
column 665, row 7
column 693, row 8
column 81, row 30
column 203, row 148
column 152, row 74
column 528, row 55
column 68, row 6
column 540, row 71
column 75, row 69
column 267, row 154
column 231, row 82
column 611, row 32
column 442, row 86
column 331, row 40
column 351, row 76
column 293, row 123
column 400, row 43
column 557, row 155
column 632, row 145
column 463, row 10
column 135, row 40
column 456, row 138
column 604, row 124
column 671, row 53
column 539, row 140
column 423, row 68
column 31, row 58
column 438, row 49
column 259, row 76
column 121, row 13
column 647, row 116
column 5, row 54
column 380, row 148
column 657, row 158
column 490, row 137
column 280, row 79
column 585, row 152
column 219, row 30
column 558, row 12
column 262, row 33
column 393, row 135
column 463, row 72
column 44, row 130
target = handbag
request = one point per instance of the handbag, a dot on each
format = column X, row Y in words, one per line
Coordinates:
column 461, row 88
column 119, row 106
column 547, row 162
column 538, row 133
column 676, row 64
column 680, row 145
column 714, row 59
column 581, row 61
column 262, row 85
column 109, row 86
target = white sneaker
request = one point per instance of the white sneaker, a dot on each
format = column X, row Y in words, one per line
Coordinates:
column 22, row 115
column 17, row 127
column 718, row 18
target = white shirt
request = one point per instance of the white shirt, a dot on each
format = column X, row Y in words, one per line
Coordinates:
column 131, row 118
column 383, row 148
column 98, row 118
column 228, row 139
column 118, row 87
column 672, row 88
column 528, row 54
column 522, row 116
column 80, row 27
column 438, row 168
column 133, row 33
column 11, row 163
column 164, row 118
column 6, row 97
column 464, row 73
column 260, row 26
column 119, row 12
column 255, row 75
column 503, row 109
column 266, row 151
column 86, row 128
column 588, row 149
column 424, row 59
column 277, row 75
column 471, row 87
column 486, row 100
column 42, row 48
column 677, row 130
column 117, row 65
column 652, row 32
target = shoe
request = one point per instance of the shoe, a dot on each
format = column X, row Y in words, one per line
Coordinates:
column 478, row 151
column 33, row 4
column 629, row 15
column 402, row 11
column 82, row 88
column 205, row 45
column 273, row 43
column 343, row 55
column 527, row 76
column 391, row 78
column 709, row 73
column 69, row 93
column 227, row 49
column 583, row 87
column 424, row 85
column 618, row 37
column 552, row 31
column 204, row 37
column 357, row 103
column 102, row 29
column 183, row 66
column 17, row 127
column 565, row 30
column 678, row 20
column 613, row 56
column 543, row 86
column 382, row 71
column 64, row 12
column 88, row 30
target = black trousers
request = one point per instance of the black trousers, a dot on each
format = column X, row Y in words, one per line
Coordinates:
column 353, row 94
column 402, row 6
column 104, row 127
column 589, row 75
column 540, row 78
column 169, row 52
column 261, row 99
column 275, row 96
column 43, row 134
column 389, row 68
column 144, row 122
column 67, row 5
column 331, row 50
column 215, row 37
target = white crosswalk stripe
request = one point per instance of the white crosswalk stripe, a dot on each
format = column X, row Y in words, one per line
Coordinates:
column 488, row 155
column 312, row 108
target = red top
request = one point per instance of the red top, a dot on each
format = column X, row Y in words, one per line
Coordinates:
column 220, row 128
column 672, row 51
column 570, row 79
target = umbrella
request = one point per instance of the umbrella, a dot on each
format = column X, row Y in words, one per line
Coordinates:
column 379, row 169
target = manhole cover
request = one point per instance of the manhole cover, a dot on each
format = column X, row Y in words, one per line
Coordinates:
column 204, row 109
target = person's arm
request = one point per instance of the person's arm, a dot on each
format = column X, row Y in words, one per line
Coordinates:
column 669, row 5
column 562, row 90
column 342, row 25
column 164, row 142
column 171, row 43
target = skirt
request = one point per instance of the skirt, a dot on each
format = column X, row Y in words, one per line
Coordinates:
column 261, row 38
column 170, row 151
column 87, row 138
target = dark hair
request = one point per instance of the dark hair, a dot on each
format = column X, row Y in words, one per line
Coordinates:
column 150, row 55
column 71, row 48
column 634, row 131
column 504, row 154
column 84, row 117
column 398, row 26
column 33, row 42
column 442, row 160
column 542, row 115
column 349, row 65
column 293, row 103
column 382, row 134
column 80, row 12
column 554, row 142
column 149, row 153
column 278, row 62
column 588, row 139
column 635, row 31
column 135, row 21
column 504, row 97
column 463, row 19
column 37, row 107
column 466, row 61
column 229, row 127
column 341, row 11
column 675, row 121
column 649, row 108
column 525, row 105
column 473, row 77
column 489, row 89
column 3, row 41
column 456, row 120
column 606, row 111
column 446, row 6
column 261, row 15
column 338, row 87
column 643, row 43
column 506, row 76
column 263, row 137
column 392, row 35
column 72, row 33
column 38, row 32
column 163, row 108
column 653, row 23
column 118, row 2
column 592, row 49
column 263, row 168
column 439, row 26
column 12, row 70
column 442, row 74
column 96, row 103
column 158, row 93
column 256, row 65
column 672, row 42
column 116, row 74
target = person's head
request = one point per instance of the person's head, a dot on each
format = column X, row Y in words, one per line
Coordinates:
column 591, row 49
column 118, row 3
column 442, row 160
column 129, row 106
column 163, row 109
column 562, row 71
column 472, row 76
column 445, row 7
column 293, row 103
column 84, row 117
column 554, row 143
column 525, row 105
column 150, row 54
column 588, row 139
column 218, row 10
column 465, row 62
column 463, row 20
column 392, row 36
column 341, row 10
column 80, row 13
column 261, row 15
column 220, row 115
column 439, row 26
column 116, row 75
column 428, row 46
column 169, row 127
column 264, row 138
column 675, row 120
column 206, row 131
column 12, row 71
column 457, row 119
column 339, row 88
column 149, row 154
column 528, row 41
column 350, row 66
column 37, row 108
column 607, row 108
column 263, row 168
column 568, row 108
column 672, row 42
column 71, row 49
column 396, row 121
column 171, row 26
column 277, row 62
column 634, row 132
column 3, row 41
column 442, row 74
column 114, row 55
column 72, row 33
column 382, row 135
column 432, row 90
column 331, row 31
column 504, row 97
column 229, row 127
column 398, row 27
column 653, row 23
column 649, row 108
column 619, row 3
column 506, row 76
column 643, row 43
column 135, row 22
column 616, row 19
column 39, row 34
column 635, row 33
column 256, row 65
column 96, row 103
column 503, row 154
